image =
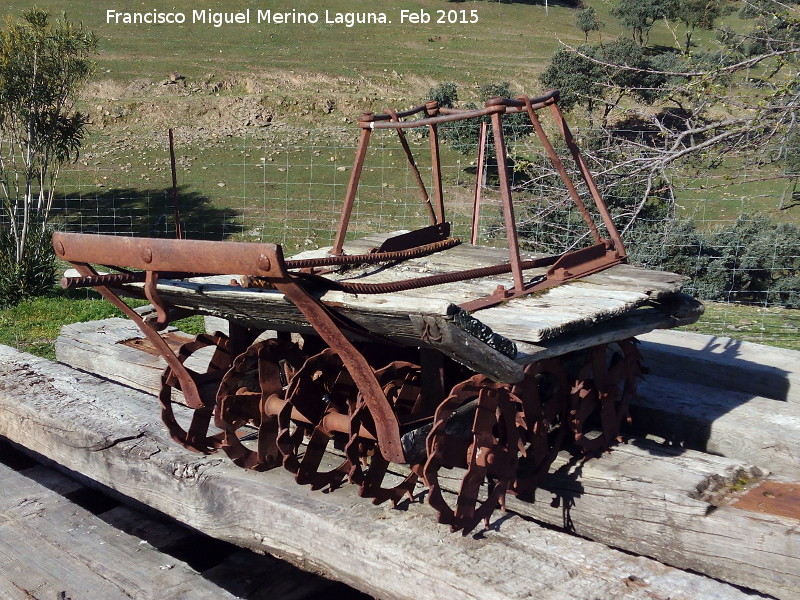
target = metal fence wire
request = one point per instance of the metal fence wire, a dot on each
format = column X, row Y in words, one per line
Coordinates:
column 728, row 230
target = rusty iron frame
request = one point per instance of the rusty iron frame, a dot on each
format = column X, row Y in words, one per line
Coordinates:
column 604, row 253
column 155, row 255
column 147, row 260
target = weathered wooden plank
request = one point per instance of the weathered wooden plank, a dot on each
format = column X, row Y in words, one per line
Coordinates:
column 730, row 423
column 700, row 414
column 763, row 431
column 54, row 549
column 732, row 364
column 633, row 324
column 628, row 499
column 108, row 433
column 98, row 347
column 468, row 350
column 531, row 319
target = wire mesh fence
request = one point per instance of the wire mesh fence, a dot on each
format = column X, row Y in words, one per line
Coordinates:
column 729, row 230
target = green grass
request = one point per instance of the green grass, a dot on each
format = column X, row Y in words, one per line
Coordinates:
column 771, row 326
column 456, row 51
column 284, row 183
column 33, row 325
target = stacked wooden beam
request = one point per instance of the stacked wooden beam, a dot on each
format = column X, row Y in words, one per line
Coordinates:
column 670, row 492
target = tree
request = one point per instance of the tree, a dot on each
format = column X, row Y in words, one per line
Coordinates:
column 586, row 20
column 600, row 77
column 42, row 67
column 738, row 103
column 640, row 15
column 696, row 14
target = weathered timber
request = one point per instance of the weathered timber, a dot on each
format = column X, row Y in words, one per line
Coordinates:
column 110, row 433
column 684, row 310
column 763, row 431
column 657, row 501
column 575, row 306
column 54, row 549
column 732, row 364
column 100, row 347
column 729, row 423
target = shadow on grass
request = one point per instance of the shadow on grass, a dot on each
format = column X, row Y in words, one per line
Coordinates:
column 145, row 212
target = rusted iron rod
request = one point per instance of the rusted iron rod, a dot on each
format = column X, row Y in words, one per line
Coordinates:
column 476, row 205
column 352, row 189
column 332, row 421
column 175, row 204
column 507, row 202
column 353, row 287
column 562, row 171
column 414, row 169
column 111, row 280
column 608, row 221
column 165, row 255
column 118, row 279
column 373, row 258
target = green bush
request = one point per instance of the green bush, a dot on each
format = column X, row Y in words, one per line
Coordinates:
column 33, row 274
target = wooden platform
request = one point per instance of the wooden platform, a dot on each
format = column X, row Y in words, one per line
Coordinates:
column 52, row 548
column 64, row 540
column 111, row 434
column 584, row 312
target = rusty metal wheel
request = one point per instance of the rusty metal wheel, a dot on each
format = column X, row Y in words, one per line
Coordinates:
column 317, row 404
column 602, row 393
column 401, row 382
column 544, row 398
column 196, row 437
column 256, row 374
column 489, row 450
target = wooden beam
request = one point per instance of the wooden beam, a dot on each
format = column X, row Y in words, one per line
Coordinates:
column 55, row 549
column 762, row 431
column 110, row 433
column 732, row 364
column 730, row 423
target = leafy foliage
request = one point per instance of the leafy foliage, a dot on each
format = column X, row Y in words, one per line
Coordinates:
column 601, row 76
column 587, row 21
column 463, row 136
column 752, row 260
column 639, row 16
column 42, row 66
column 32, row 276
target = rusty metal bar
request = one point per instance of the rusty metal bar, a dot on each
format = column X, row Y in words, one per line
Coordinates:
column 508, row 205
column 319, row 317
column 443, row 117
column 417, row 176
column 587, row 176
column 476, row 206
column 377, row 121
column 332, row 421
column 110, row 280
column 562, row 171
column 187, row 384
column 352, row 186
column 389, row 287
column 432, row 108
column 156, row 254
column 401, row 114
column 175, row 205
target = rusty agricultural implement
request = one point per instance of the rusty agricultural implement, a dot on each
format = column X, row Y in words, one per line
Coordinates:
column 410, row 348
